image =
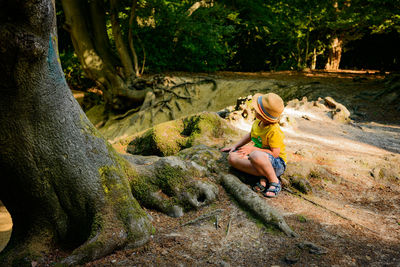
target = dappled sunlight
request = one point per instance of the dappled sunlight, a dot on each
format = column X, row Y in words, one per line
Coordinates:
column 334, row 142
column 332, row 135
column 92, row 60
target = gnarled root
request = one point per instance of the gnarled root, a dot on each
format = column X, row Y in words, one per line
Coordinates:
column 258, row 206
column 170, row 184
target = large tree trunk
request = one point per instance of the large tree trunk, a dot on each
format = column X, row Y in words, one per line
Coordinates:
column 86, row 25
column 60, row 180
column 335, row 54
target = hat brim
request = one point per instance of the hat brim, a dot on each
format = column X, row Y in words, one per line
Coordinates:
column 254, row 104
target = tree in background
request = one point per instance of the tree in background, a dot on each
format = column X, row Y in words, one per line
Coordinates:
column 253, row 35
column 116, row 40
column 351, row 20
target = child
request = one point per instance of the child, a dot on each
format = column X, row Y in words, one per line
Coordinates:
column 267, row 157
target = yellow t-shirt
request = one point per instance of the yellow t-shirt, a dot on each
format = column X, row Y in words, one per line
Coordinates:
column 268, row 137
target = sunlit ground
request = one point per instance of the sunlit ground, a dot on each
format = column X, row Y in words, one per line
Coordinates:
column 5, row 226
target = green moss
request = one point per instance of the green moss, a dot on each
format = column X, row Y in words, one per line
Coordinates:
column 142, row 188
column 117, row 191
column 301, row 218
column 171, row 137
column 169, row 178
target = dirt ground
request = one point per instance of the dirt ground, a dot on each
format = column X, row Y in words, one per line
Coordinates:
column 352, row 216
column 352, row 219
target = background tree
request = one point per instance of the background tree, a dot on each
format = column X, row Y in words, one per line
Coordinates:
column 238, row 35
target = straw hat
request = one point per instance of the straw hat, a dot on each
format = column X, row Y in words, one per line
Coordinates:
column 269, row 106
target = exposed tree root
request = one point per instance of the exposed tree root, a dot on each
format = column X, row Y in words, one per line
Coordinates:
column 258, row 206
column 170, row 184
column 156, row 95
column 203, row 217
column 110, row 238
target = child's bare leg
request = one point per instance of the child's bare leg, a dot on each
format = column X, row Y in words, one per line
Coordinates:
column 242, row 163
column 263, row 166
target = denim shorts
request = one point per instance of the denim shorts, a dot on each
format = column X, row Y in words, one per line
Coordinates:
column 278, row 164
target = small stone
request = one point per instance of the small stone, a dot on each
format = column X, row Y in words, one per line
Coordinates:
column 292, row 257
column 368, row 258
column 375, row 172
column 224, row 264
column 113, row 261
column 313, row 248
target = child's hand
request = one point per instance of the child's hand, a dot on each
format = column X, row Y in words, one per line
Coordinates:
column 246, row 150
column 228, row 149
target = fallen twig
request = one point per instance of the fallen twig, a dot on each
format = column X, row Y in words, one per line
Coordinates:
column 228, row 227
column 204, row 217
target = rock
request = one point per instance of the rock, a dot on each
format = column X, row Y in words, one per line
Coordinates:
column 292, row 256
column 295, row 104
column 339, row 113
column 330, row 102
column 224, row 264
column 169, row 138
column 375, row 173
column 312, row 248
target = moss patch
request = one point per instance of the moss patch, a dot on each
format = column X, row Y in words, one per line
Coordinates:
column 171, row 137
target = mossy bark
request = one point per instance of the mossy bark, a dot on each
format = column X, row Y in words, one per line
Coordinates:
column 61, row 181
column 170, row 184
column 169, row 138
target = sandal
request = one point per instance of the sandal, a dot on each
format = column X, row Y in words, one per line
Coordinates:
column 259, row 188
column 277, row 188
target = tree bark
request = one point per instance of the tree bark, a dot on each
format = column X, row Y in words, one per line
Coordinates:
column 314, row 59
column 130, row 38
column 86, row 25
column 119, row 42
column 62, row 183
column 335, row 54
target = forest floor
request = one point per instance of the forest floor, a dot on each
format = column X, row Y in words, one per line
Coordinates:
column 352, row 216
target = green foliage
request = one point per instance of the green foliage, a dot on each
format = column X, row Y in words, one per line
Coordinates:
column 246, row 35
column 73, row 71
column 175, row 41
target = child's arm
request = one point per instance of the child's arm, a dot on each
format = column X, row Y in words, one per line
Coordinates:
column 242, row 142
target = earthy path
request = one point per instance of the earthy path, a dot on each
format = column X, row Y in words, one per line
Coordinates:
column 352, row 217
